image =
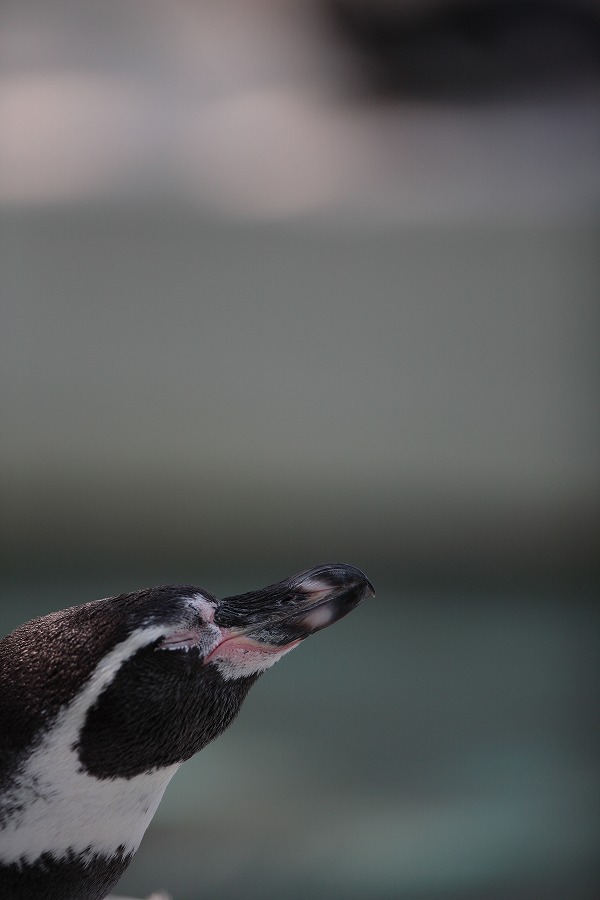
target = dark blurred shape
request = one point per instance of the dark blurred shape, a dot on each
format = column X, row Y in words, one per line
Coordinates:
column 469, row 50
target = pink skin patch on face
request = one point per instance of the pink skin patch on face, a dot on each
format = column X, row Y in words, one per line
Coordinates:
column 238, row 656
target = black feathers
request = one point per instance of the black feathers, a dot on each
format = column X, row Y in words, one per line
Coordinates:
column 160, row 709
column 72, row 877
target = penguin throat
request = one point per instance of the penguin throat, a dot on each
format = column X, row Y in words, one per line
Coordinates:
column 241, row 656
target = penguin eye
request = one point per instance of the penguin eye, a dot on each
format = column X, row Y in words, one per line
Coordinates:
column 182, row 640
column 195, row 629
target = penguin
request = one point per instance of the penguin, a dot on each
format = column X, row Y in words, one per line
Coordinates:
column 100, row 704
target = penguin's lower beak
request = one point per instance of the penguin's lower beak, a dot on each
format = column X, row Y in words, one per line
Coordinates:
column 278, row 617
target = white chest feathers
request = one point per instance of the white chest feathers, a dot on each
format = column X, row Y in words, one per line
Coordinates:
column 55, row 807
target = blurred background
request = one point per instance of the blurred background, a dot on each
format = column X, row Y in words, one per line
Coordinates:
column 289, row 281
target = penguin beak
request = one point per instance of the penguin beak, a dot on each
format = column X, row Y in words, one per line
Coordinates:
column 278, row 617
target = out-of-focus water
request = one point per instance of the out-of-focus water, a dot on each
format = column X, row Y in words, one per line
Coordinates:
column 434, row 744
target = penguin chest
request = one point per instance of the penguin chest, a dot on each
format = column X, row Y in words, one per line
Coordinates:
column 56, row 808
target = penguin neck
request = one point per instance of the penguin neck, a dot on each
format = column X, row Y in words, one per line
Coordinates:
column 52, row 807
column 176, row 708
column 94, row 776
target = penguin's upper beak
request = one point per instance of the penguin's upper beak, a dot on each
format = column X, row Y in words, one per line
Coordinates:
column 283, row 614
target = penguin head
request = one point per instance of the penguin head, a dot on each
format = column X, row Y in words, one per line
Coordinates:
column 149, row 678
column 196, row 660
